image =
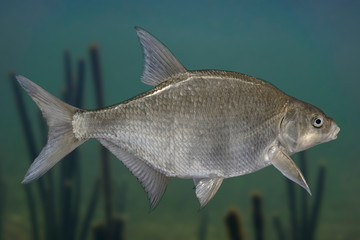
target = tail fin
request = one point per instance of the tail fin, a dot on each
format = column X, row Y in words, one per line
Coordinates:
column 61, row 139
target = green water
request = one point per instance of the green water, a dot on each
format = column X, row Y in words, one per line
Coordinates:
column 308, row 49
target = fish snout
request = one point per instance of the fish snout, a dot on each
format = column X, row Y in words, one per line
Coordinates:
column 334, row 130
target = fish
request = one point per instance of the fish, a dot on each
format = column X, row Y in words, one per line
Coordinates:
column 205, row 125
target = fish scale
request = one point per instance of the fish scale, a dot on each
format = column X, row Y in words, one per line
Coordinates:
column 207, row 125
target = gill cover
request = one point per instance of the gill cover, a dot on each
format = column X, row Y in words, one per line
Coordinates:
column 289, row 130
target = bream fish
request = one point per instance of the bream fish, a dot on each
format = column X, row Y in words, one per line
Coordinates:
column 203, row 125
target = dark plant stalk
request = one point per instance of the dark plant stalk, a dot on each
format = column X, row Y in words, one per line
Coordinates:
column 118, row 228
column 78, row 100
column 278, row 227
column 304, row 198
column 105, row 164
column 32, row 212
column 121, row 198
column 68, row 95
column 97, row 76
column 31, row 148
column 234, row 225
column 80, row 84
column 99, row 231
column 258, row 216
column 292, row 209
column 203, row 226
column 71, row 177
column 49, row 182
column 320, row 186
column 309, row 218
column 67, row 169
column 90, row 210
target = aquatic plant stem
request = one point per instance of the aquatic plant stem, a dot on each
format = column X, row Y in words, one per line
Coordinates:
column 69, row 163
column 121, row 198
column 118, row 224
column 304, row 198
column 70, row 184
column 32, row 213
column 278, row 227
column 234, row 224
column 203, row 226
column 77, row 100
column 292, row 210
column 49, row 182
column 80, row 84
column 90, row 210
column 309, row 217
column 68, row 77
column 105, row 164
column 96, row 70
column 258, row 216
column 320, row 186
column 31, row 148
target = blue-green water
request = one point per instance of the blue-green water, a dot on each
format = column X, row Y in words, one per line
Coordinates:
column 308, row 49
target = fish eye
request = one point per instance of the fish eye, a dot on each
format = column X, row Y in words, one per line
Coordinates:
column 317, row 122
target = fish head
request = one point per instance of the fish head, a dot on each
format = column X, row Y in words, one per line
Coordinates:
column 305, row 126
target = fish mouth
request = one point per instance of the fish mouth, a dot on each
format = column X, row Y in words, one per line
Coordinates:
column 335, row 131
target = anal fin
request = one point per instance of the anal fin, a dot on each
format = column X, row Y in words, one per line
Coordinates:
column 206, row 189
column 153, row 181
column 287, row 167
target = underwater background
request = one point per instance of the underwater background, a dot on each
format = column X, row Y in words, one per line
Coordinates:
column 308, row 49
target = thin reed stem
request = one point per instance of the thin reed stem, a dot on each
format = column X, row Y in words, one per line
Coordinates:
column 320, row 187
column 304, row 198
column 105, row 164
column 90, row 210
column 31, row 148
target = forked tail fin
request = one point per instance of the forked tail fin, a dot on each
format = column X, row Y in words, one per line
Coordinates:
column 61, row 139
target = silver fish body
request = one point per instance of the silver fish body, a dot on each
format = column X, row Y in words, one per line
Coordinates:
column 205, row 125
column 201, row 124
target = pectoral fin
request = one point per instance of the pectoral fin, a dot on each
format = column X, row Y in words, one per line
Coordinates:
column 287, row 167
column 206, row 189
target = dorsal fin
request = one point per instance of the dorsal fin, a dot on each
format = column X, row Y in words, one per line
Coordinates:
column 159, row 62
